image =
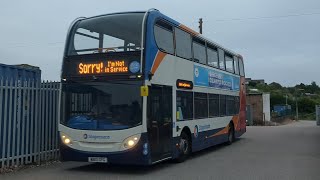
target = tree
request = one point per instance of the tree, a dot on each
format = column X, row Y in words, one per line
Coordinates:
column 252, row 84
column 278, row 95
column 306, row 105
column 275, row 86
column 313, row 88
column 301, row 86
column 277, row 99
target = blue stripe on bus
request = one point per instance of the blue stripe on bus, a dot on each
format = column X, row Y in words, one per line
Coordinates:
column 201, row 142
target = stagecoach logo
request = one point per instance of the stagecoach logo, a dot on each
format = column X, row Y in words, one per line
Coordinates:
column 134, row 66
column 196, row 72
column 195, row 131
column 95, row 137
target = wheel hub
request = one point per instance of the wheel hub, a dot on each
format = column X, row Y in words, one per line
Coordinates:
column 184, row 146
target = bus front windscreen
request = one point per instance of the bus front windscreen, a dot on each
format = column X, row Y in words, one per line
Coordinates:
column 101, row 105
column 108, row 33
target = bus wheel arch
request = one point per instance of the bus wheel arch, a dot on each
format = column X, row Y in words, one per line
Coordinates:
column 185, row 144
column 231, row 133
column 188, row 132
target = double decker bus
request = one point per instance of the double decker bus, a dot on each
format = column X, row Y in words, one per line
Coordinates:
column 140, row 88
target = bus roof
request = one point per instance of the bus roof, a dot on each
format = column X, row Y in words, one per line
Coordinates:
column 115, row 13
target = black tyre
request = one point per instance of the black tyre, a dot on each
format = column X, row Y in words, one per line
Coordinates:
column 230, row 134
column 184, row 147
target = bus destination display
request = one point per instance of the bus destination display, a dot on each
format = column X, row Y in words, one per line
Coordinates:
column 183, row 84
column 108, row 67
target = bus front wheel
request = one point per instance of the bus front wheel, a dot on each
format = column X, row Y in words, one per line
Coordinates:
column 184, row 147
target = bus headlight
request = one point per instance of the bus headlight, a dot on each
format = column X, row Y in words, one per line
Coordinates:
column 66, row 140
column 131, row 141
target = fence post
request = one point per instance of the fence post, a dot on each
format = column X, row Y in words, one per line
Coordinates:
column 32, row 120
column 59, row 94
column 14, row 124
column 38, row 121
column 27, row 104
column 1, row 123
column 22, row 123
column 42, row 94
column 4, row 137
column 54, row 123
column 19, row 105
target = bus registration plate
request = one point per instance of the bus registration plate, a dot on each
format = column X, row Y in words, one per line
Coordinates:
column 98, row 159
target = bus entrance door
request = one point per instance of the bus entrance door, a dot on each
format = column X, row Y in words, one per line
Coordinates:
column 160, row 121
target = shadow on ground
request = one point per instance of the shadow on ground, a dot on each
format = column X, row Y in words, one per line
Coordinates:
column 137, row 170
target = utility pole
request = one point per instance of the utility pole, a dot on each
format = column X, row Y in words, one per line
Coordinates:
column 297, row 112
column 200, row 25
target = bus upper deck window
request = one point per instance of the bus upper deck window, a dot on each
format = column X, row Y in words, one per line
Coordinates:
column 106, row 34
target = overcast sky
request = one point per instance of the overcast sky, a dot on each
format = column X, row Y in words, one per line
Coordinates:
column 279, row 39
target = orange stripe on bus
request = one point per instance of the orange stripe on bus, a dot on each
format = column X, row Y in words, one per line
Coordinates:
column 235, row 120
column 159, row 57
column 189, row 30
column 223, row 131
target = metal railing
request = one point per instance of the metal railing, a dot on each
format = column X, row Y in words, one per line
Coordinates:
column 28, row 122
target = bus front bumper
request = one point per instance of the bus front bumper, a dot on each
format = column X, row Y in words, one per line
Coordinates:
column 134, row 156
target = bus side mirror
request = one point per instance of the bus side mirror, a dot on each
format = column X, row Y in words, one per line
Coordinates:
column 150, row 76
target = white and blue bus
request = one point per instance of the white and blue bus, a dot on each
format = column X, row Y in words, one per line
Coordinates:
column 140, row 88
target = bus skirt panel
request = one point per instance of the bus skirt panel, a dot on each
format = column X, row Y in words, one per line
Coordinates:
column 205, row 139
column 201, row 140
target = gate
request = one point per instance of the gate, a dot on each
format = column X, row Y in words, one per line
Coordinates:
column 249, row 116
